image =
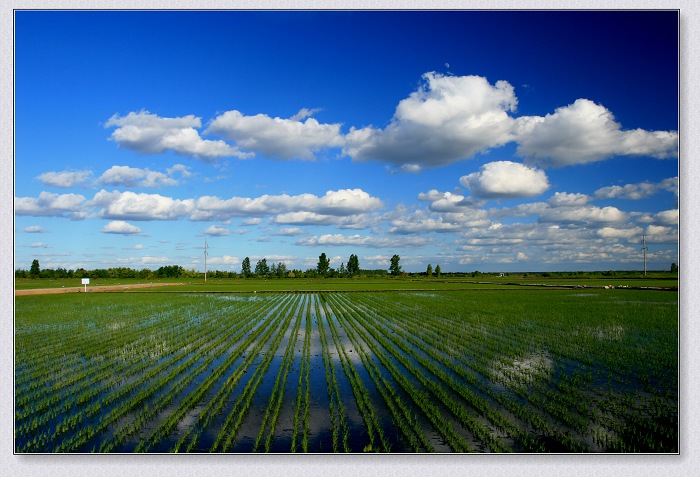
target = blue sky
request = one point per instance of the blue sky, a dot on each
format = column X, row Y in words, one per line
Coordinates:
column 476, row 140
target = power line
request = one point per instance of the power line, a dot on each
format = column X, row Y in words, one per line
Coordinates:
column 205, row 259
column 644, row 249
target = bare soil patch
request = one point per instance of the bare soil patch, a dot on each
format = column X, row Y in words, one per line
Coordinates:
column 91, row 289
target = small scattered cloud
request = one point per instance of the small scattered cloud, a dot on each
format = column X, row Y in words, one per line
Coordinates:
column 52, row 205
column 34, row 229
column 126, row 176
column 217, row 231
column 121, row 227
column 65, row 179
column 641, row 190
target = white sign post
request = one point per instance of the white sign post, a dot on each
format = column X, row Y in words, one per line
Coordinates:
column 86, row 282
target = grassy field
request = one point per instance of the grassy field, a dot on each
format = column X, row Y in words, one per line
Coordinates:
column 355, row 284
column 515, row 369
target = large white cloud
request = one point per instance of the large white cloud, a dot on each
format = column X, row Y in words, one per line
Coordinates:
column 65, row 179
column 447, row 119
column 151, row 134
column 586, row 132
column 506, row 180
column 277, row 137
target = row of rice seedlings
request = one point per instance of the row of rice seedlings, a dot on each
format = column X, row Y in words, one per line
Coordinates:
column 526, row 414
column 402, row 352
column 337, row 413
column 303, row 401
column 257, row 322
column 568, row 395
column 67, row 347
column 420, row 397
column 82, row 393
column 473, row 399
column 402, row 415
column 275, row 401
column 233, row 330
column 229, row 430
column 359, row 391
column 194, row 397
column 86, row 406
column 146, row 387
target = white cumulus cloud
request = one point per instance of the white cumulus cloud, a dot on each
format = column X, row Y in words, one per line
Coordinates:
column 149, row 133
column 447, row 119
column 587, row 132
column 277, row 137
column 506, row 180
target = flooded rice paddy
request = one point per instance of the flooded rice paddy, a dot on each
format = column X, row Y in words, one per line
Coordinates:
column 486, row 371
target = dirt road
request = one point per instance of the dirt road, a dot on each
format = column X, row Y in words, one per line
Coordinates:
column 91, row 288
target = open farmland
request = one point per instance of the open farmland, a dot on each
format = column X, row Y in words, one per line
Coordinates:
column 483, row 370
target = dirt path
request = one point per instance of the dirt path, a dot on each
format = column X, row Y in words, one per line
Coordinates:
column 92, row 288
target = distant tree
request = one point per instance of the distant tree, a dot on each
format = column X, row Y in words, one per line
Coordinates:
column 438, row 272
column 342, row 271
column 429, row 270
column 323, row 264
column 245, row 268
column 674, row 268
column 281, row 270
column 34, row 270
column 394, row 267
column 353, row 267
column 261, row 268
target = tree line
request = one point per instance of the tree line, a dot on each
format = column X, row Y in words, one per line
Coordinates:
column 262, row 269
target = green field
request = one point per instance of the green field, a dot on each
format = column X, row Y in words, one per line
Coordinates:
column 356, row 284
column 487, row 369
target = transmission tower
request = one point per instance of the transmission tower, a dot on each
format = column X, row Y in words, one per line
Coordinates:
column 644, row 249
column 205, row 259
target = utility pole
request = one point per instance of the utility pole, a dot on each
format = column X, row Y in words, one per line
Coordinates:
column 644, row 249
column 205, row 259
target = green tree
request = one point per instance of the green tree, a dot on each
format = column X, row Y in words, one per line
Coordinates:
column 34, row 270
column 438, row 271
column 429, row 270
column 245, row 268
column 323, row 264
column 353, row 267
column 394, row 267
column 261, row 268
column 674, row 268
